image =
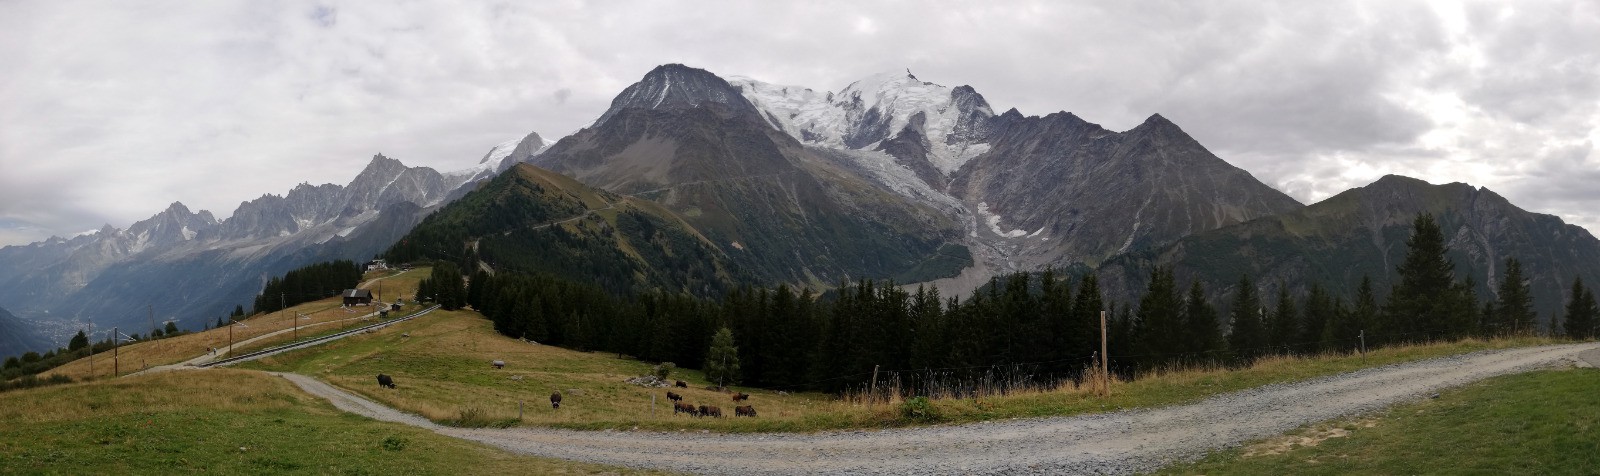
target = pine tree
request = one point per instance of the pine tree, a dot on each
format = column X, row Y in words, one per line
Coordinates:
column 722, row 359
column 1420, row 305
column 1582, row 312
column 1283, row 325
column 78, row 341
column 1246, row 336
column 1159, row 326
column 1200, row 319
column 1514, row 307
column 1319, row 313
column 171, row 329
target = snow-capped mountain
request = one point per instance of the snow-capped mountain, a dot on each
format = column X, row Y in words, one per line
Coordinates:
column 191, row 266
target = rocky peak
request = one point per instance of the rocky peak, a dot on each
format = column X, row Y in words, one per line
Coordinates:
column 675, row 86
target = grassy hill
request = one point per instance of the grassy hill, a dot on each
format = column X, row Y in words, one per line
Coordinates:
column 535, row 221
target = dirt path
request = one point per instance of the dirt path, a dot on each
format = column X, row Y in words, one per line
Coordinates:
column 1111, row 443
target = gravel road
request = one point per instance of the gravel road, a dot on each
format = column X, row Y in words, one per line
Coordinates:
column 1123, row 442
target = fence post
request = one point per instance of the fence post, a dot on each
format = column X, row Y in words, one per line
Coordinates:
column 1105, row 367
column 873, row 391
column 1363, row 337
column 519, row 410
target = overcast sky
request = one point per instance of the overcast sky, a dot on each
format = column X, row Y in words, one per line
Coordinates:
column 109, row 111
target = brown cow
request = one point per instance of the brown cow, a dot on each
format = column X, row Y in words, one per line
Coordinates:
column 674, row 397
column 713, row 412
column 741, row 396
column 744, row 410
column 555, row 400
column 680, row 384
column 680, row 407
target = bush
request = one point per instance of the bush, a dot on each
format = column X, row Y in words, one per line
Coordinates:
column 661, row 371
column 919, row 409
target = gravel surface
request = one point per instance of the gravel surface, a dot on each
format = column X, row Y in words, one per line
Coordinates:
column 1122, row 442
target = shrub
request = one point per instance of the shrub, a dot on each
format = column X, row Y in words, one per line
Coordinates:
column 661, row 371
column 919, row 409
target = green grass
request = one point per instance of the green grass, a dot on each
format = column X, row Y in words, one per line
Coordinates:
column 229, row 422
column 1545, row 422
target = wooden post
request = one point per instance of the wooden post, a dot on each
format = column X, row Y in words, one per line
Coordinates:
column 519, row 409
column 1363, row 337
column 230, row 336
column 116, row 362
column 1105, row 368
column 652, row 405
column 873, row 391
column 91, row 348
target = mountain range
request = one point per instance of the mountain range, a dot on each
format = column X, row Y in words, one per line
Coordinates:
column 692, row 182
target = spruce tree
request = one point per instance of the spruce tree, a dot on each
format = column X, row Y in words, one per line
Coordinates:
column 1420, row 304
column 1159, row 329
column 722, row 359
column 1246, row 335
column 1582, row 312
column 1319, row 314
column 78, row 341
column 1283, row 325
column 1200, row 319
column 1514, row 306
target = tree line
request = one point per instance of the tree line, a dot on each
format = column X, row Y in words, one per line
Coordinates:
column 306, row 284
column 1033, row 329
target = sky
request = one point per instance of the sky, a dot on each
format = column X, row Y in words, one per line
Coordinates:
column 110, row 111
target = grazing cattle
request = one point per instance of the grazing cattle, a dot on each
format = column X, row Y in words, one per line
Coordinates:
column 385, row 381
column 710, row 411
column 674, row 397
column 744, row 410
column 680, row 407
column 555, row 400
column 498, row 364
column 680, row 384
column 741, row 396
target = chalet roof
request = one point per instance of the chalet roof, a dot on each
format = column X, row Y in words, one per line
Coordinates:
column 358, row 293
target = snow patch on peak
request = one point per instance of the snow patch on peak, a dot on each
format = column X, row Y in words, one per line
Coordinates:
column 993, row 220
column 884, row 102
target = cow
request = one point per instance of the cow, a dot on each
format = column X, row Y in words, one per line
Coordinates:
column 744, row 410
column 680, row 384
column 498, row 364
column 555, row 400
column 741, row 396
column 674, row 397
column 680, row 407
column 710, row 411
column 385, row 381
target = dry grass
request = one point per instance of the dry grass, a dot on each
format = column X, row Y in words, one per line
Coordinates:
column 320, row 317
column 442, row 368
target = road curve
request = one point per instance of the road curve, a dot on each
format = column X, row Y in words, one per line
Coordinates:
column 1123, row 442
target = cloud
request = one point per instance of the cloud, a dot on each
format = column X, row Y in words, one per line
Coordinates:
column 114, row 110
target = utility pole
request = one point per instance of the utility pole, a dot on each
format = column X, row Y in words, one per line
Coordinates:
column 230, row 336
column 152, row 310
column 91, row 348
column 116, row 344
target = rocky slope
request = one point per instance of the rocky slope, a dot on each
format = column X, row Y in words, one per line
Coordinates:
column 16, row 337
column 690, row 141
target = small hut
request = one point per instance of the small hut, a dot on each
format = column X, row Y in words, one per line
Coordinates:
column 357, row 297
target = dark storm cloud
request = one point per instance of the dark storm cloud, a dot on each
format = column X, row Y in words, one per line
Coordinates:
column 113, row 110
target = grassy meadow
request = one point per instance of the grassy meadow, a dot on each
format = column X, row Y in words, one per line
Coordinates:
column 321, row 317
column 1545, row 422
column 229, row 422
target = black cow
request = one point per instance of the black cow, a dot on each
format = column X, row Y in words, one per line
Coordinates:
column 385, row 381
column 555, row 400
column 680, row 407
column 741, row 396
column 710, row 411
column 674, row 397
column 680, row 384
column 744, row 410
